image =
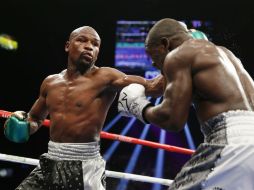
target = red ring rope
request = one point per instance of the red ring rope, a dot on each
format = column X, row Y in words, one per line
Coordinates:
column 105, row 135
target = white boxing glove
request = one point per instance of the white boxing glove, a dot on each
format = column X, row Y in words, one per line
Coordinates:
column 132, row 101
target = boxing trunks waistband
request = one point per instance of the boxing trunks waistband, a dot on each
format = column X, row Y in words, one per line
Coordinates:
column 232, row 127
column 73, row 151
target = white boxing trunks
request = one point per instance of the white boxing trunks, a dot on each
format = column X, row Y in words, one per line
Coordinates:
column 225, row 160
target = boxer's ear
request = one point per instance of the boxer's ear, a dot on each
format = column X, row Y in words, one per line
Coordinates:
column 67, row 44
column 165, row 42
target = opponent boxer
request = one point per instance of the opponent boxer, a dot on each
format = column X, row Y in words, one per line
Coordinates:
column 212, row 78
column 77, row 101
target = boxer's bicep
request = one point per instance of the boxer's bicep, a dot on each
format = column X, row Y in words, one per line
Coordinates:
column 173, row 111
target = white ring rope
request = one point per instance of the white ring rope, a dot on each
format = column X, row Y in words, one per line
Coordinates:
column 113, row 174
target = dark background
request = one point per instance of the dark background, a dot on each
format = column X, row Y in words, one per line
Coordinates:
column 42, row 27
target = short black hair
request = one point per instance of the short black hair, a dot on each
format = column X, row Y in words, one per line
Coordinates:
column 166, row 27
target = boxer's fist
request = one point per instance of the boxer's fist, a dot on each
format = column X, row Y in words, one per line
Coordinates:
column 132, row 101
column 16, row 128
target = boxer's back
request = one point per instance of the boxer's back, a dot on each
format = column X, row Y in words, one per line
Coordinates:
column 220, row 83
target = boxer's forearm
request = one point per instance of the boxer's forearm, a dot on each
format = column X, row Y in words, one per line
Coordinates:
column 155, row 86
column 35, row 124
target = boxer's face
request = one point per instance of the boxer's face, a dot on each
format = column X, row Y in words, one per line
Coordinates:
column 83, row 46
column 157, row 54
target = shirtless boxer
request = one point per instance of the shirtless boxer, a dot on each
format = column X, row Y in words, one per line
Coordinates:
column 211, row 77
column 77, row 101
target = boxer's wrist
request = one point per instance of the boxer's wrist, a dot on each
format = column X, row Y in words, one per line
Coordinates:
column 138, row 108
column 34, row 125
column 144, row 113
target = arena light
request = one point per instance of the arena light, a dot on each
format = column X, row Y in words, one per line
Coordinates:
column 7, row 42
column 107, row 155
column 133, row 161
column 112, row 123
column 160, row 160
column 189, row 137
column 134, row 157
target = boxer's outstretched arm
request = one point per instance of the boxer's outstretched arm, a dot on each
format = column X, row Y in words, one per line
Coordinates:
column 153, row 87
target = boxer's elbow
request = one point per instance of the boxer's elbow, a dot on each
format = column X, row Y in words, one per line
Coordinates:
column 166, row 119
column 171, row 125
